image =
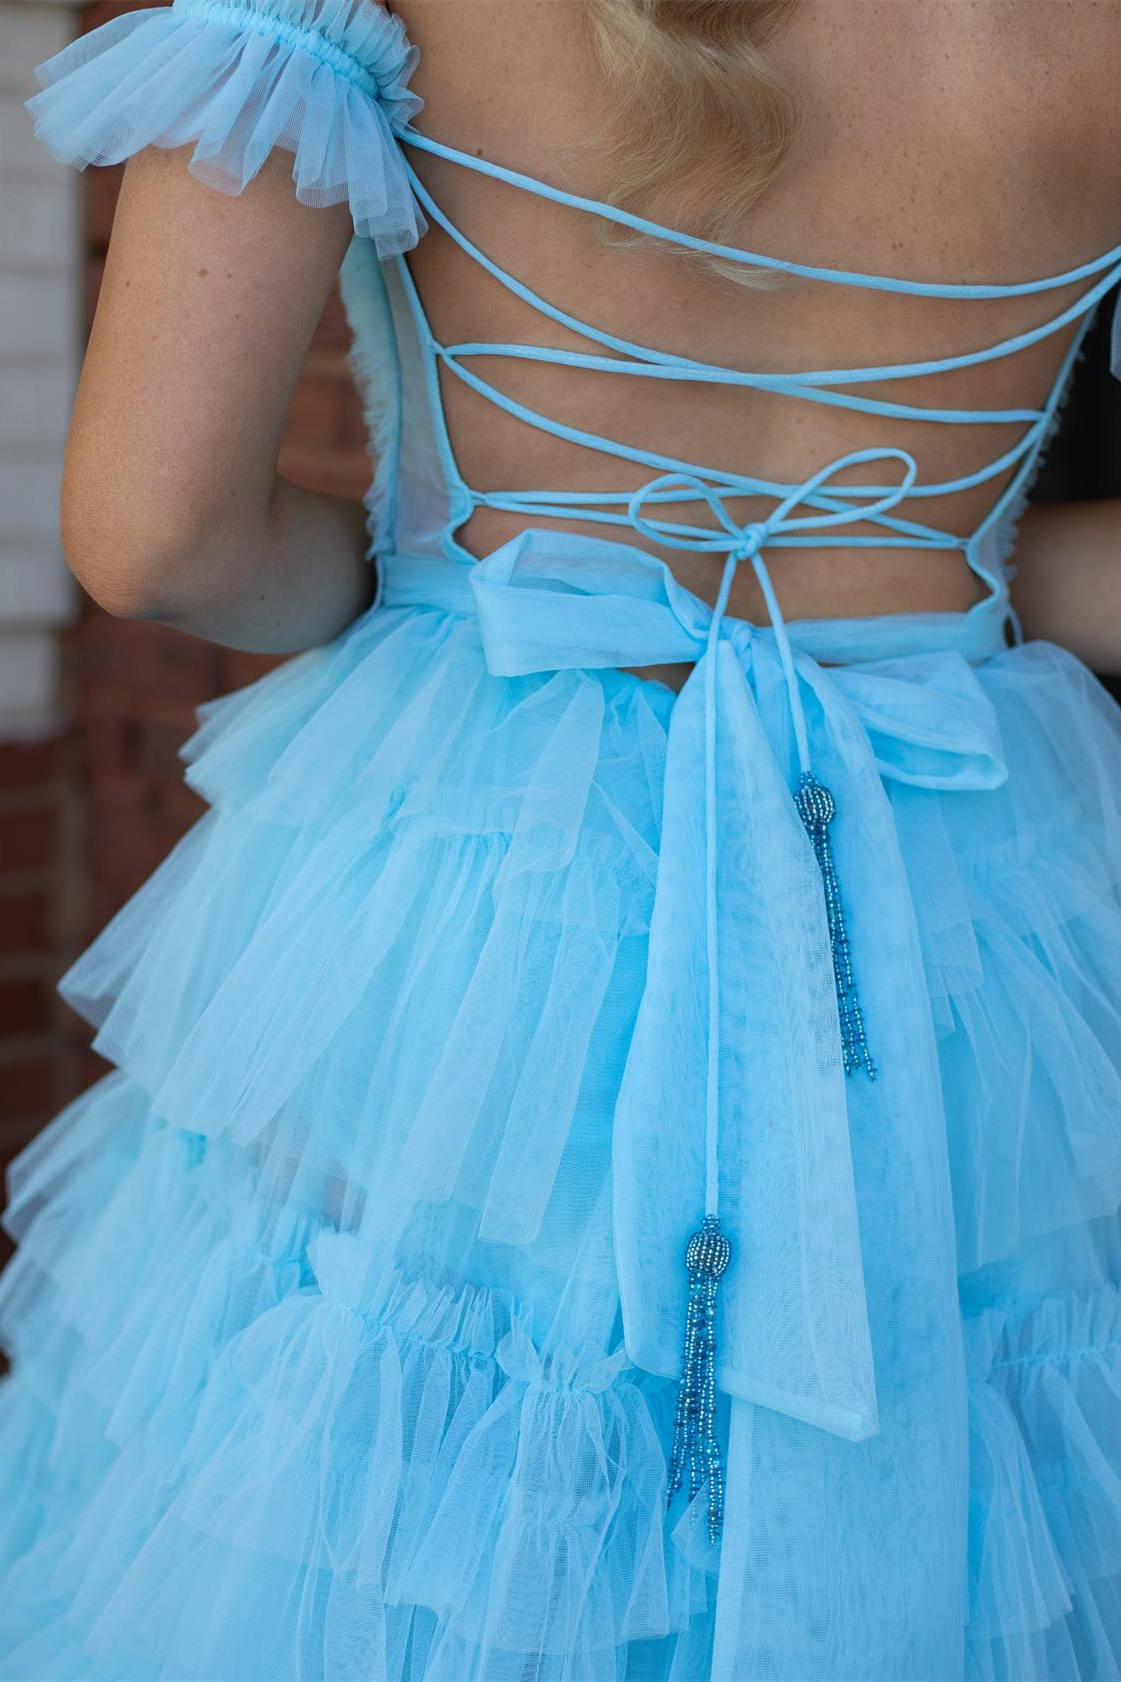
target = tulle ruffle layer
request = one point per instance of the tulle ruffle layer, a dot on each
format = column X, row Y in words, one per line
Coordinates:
column 231, row 1441
column 1045, row 1489
column 426, row 940
column 326, row 80
column 397, row 966
column 238, row 1446
column 1016, row 895
column 428, row 892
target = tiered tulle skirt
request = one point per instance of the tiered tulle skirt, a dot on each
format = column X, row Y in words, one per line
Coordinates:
column 318, row 1361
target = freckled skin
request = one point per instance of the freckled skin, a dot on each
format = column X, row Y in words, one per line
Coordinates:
column 962, row 139
column 969, row 139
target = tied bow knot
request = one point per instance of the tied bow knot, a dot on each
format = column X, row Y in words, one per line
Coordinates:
column 746, row 542
column 740, row 541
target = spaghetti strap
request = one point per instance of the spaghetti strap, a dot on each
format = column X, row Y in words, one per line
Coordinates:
column 1107, row 260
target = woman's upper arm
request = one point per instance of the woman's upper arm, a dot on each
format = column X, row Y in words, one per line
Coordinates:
column 210, row 298
column 206, row 310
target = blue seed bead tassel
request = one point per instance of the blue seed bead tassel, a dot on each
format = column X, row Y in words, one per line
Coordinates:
column 707, row 1255
column 817, row 810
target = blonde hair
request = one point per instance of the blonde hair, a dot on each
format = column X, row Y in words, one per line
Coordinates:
column 699, row 113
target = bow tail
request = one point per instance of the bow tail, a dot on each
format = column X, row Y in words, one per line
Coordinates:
column 791, row 1325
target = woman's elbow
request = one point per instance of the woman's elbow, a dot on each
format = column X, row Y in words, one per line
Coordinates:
column 133, row 563
column 124, row 593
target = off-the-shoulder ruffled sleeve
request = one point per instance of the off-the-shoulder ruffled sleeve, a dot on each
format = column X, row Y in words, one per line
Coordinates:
column 324, row 79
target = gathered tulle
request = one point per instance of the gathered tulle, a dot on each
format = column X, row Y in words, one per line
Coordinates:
column 259, row 1388
column 1045, row 1410
column 377, row 1460
column 432, row 820
column 326, row 80
column 1022, row 952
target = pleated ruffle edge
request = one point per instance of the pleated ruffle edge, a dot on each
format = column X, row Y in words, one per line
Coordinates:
column 384, row 799
column 237, row 1445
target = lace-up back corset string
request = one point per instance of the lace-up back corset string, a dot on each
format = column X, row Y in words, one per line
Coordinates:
column 648, row 512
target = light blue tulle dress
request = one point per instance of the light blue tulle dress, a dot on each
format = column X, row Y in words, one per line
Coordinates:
column 350, row 1307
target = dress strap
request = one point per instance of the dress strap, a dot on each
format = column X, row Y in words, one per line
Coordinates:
column 1107, row 260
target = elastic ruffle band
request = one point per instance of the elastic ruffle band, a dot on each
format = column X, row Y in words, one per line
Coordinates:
column 326, row 80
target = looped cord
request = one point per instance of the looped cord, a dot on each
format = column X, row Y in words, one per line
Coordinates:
column 746, row 542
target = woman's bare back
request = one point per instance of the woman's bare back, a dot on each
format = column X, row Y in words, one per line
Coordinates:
column 969, row 140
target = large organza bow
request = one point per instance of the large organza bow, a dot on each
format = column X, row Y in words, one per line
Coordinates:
column 762, row 1031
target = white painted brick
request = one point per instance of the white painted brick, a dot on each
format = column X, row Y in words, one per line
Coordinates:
column 30, row 33
column 37, row 588
column 22, row 156
column 29, row 486
column 38, row 316
column 40, row 225
column 29, row 665
column 35, row 404
column 40, row 324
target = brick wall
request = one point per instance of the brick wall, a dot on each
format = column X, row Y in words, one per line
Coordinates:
column 87, row 814
column 40, row 258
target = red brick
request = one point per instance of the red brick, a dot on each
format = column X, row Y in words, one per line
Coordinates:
column 25, row 1006
column 123, row 855
column 24, row 923
column 242, row 666
column 158, row 745
column 112, row 746
column 28, row 840
column 26, row 1087
column 138, row 657
column 103, row 187
column 116, row 795
column 24, row 764
column 97, row 12
column 182, row 807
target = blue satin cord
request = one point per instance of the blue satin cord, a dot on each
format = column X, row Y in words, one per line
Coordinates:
column 549, row 599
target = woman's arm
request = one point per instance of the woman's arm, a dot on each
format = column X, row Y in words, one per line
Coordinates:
column 171, row 504
column 1067, row 587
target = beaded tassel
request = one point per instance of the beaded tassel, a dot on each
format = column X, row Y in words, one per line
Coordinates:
column 817, row 809
column 707, row 1255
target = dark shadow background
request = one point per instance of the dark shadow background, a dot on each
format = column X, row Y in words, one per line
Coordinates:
column 1083, row 460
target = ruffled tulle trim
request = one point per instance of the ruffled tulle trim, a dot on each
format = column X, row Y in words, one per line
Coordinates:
column 434, row 948
column 1045, row 1520
column 1017, row 898
column 323, row 79
column 220, row 1409
column 426, row 894
column 394, row 827
column 229, row 1418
